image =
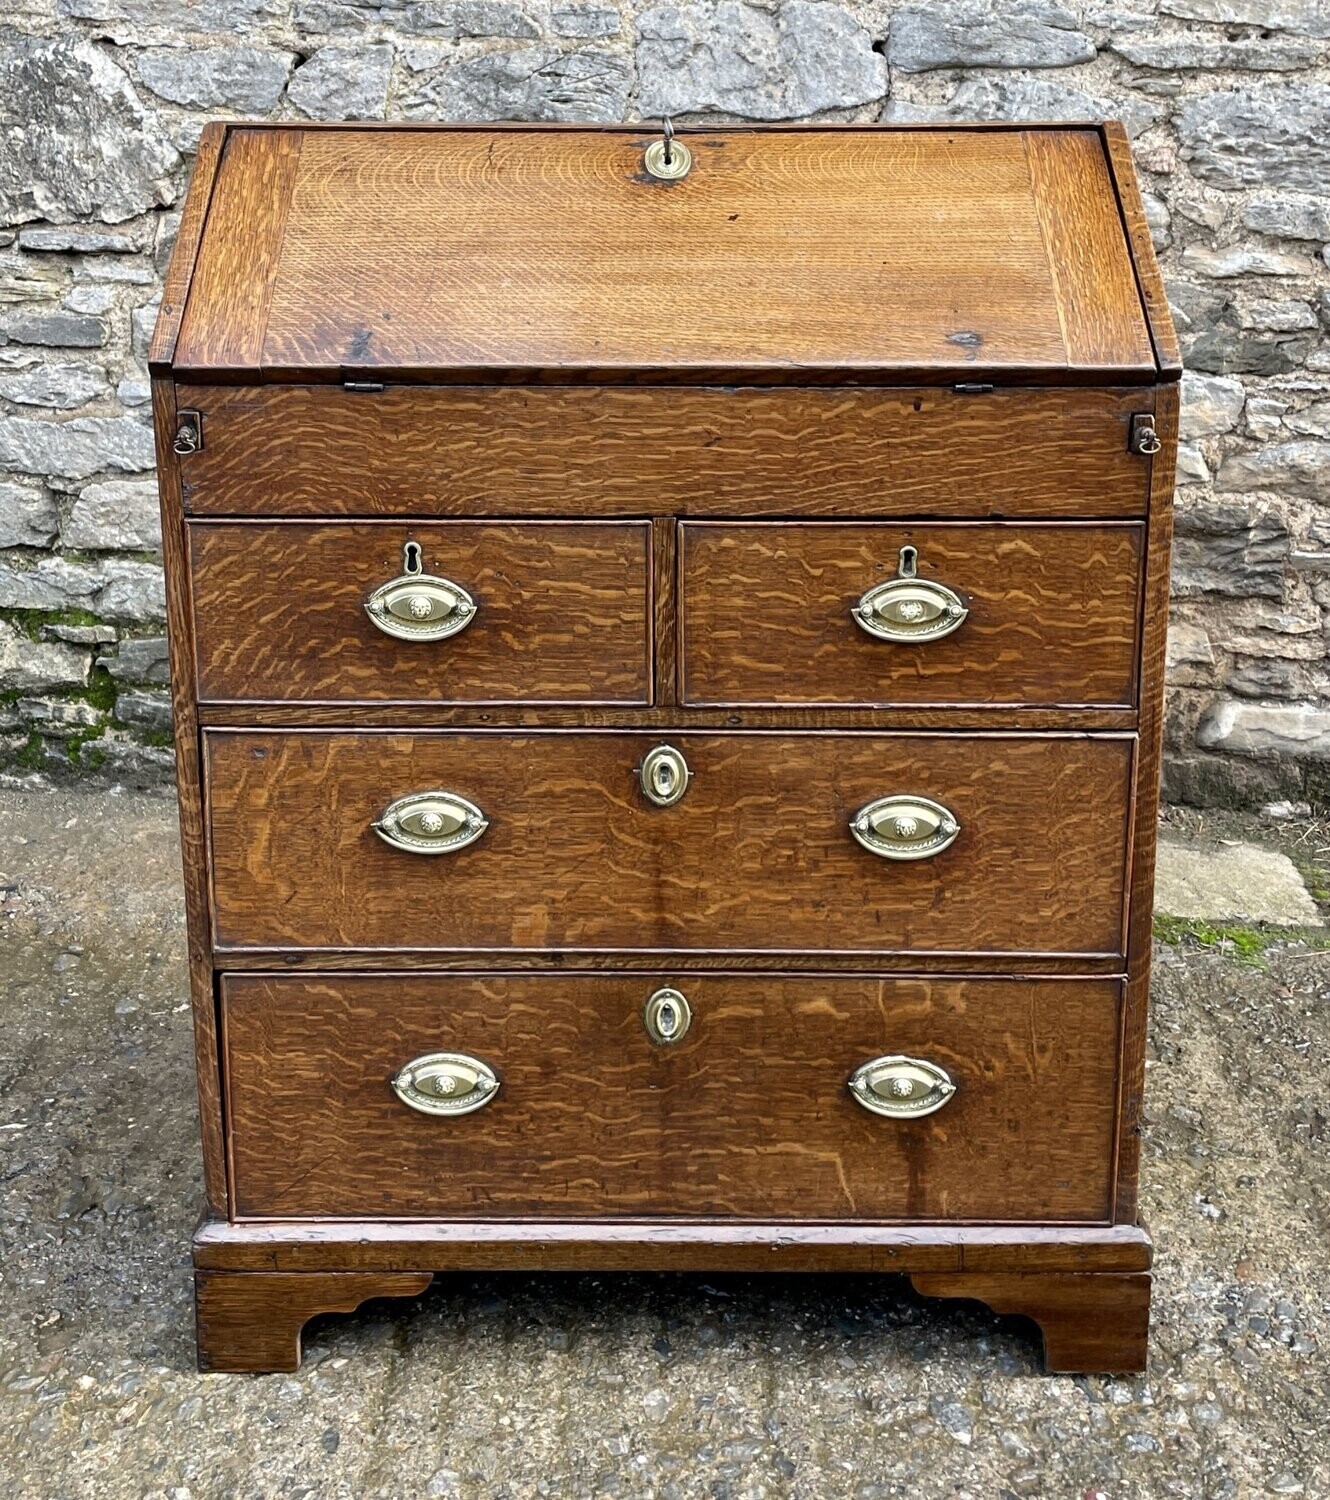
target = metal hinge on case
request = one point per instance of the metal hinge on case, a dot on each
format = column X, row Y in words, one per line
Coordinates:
column 188, row 432
column 363, row 387
column 973, row 388
column 1142, row 437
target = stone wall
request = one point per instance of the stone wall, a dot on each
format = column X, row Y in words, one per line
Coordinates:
column 1228, row 101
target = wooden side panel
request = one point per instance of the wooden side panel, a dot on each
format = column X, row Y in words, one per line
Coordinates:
column 1145, row 819
column 227, row 314
column 193, row 837
column 1151, row 283
column 562, row 613
column 573, row 451
column 748, row 1115
column 757, row 856
column 1097, row 299
column 181, row 270
column 766, row 614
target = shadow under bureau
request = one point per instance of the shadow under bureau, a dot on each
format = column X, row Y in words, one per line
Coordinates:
column 666, row 653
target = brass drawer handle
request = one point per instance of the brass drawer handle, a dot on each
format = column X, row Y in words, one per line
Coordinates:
column 908, row 609
column 905, row 827
column 445, row 1083
column 430, row 823
column 418, row 606
column 903, row 1087
column 663, row 776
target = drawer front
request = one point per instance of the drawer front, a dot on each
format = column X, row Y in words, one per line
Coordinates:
column 622, row 450
column 749, row 1113
column 757, row 855
column 549, row 612
column 1034, row 615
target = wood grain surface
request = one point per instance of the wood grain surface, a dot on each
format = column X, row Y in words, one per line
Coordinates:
column 1145, row 811
column 563, row 612
column 184, row 253
column 472, row 451
column 1092, row 1323
column 758, row 854
column 189, row 788
column 673, row 1244
column 230, row 296
column 765, row 614
column 748, row 1115
column 563, row 256
column 251, row 1322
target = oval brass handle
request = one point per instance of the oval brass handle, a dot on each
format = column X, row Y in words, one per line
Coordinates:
column 663, row 776
column 445, row 1083
column 905, row 827
column 430, row 823
column 909, row 609
column 903, row 1087
column 418, row 606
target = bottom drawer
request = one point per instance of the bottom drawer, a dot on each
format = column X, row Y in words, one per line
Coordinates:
column 748, row 1113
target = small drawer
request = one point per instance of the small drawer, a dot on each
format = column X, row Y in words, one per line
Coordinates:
column 749, row 1113
column 542, row 612
column 769, row 842
column 879, row 615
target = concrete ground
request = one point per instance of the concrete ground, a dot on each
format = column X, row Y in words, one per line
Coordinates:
column 682, row 1387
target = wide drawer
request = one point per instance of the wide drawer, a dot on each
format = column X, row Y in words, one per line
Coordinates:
column 513, row 450
column 948, row 614
column 542, row 612
column 748, row 1114
column 757, row 855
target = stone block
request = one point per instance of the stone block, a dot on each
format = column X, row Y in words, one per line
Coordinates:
column 36, row 666
column 119, row 515
column 1301, row 467
column 1265, row 136
column 1210, row 405
column 57, row 330
column 972, row 34
column 62, row 387
column 139, row 660
column 473, row 18
column 89, row 148
column 1229, row 547
column 76, row 449
column 29, row 516
column 798, row 57
column 144, row 710
column 343, row 83
column 527, row 83
column 112, row 588
column 248, row 80
column 1296, row 731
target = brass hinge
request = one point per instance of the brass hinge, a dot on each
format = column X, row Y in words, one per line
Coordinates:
column 188, row 432
column 1142, row 437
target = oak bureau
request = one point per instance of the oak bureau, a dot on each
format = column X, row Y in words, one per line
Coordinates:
column 666, row 642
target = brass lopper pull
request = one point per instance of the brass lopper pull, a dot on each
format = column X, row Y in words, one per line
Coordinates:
column 908, row 609
column 430, row 823
column 445, row 1083
column 417, row 606
column 905, row 827
column 902, row 1087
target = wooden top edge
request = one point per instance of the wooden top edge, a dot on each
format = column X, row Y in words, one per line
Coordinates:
column 646, row 129
column 754, row 377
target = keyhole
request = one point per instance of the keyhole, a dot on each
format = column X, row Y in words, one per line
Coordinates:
column 909, row 562
column 411, row 558
column 664, row 778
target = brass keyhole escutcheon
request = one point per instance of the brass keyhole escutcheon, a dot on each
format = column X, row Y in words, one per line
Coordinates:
column 667, row 1017
column 663, row 776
